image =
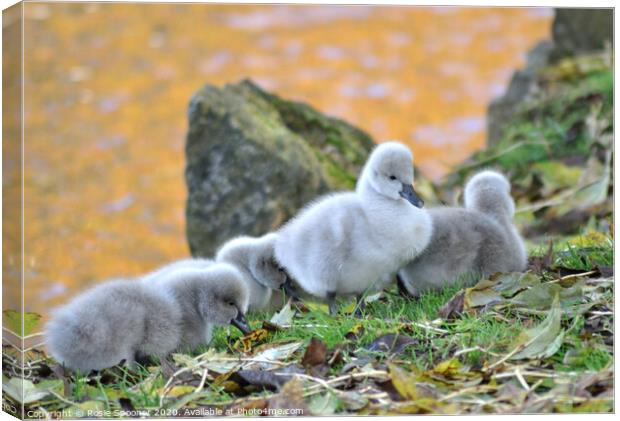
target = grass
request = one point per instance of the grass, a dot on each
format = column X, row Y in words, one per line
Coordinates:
column 476, row 340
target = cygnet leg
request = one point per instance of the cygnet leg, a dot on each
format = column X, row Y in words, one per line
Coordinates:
column 331, row 302
column 142, row 359
column 130, row 363
column 402, row 290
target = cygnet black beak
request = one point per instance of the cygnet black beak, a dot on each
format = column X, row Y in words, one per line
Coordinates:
column 240, row 323
column 409, row 194
column 289, row 289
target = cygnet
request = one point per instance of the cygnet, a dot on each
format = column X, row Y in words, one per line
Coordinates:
column 471, row 242
column 125, row 319
column 345, row 243
column 254, row 257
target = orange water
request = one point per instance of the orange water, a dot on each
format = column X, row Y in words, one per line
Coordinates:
column 107, row 86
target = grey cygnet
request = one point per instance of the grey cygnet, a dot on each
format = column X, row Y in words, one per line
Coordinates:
column 254, row 257
column 124, row 319
column 471, row 242
column 345, row 243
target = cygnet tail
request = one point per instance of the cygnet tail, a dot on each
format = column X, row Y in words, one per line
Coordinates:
column 489, row 192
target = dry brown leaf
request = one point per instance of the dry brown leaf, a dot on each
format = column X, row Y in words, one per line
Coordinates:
column 316, row 353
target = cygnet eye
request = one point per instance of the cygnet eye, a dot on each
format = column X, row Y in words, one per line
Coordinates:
column 392, row 177
column 230, row 303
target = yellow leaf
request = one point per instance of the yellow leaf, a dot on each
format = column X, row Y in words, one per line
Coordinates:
column 246, row 343
column 448, row 368
column 403, row 382
column 177, row 391
column 317, row 307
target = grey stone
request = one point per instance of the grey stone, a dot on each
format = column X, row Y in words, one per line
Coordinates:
column 574, row 32
column 522, row 84
column 578, row 31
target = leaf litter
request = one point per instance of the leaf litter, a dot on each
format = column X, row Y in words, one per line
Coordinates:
column 558, row 357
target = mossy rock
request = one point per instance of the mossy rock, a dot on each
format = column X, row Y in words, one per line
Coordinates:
column 556, row 148
column 254, row 159
column 579, row 31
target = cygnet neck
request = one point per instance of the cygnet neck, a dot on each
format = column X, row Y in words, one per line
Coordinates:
column 369, row 194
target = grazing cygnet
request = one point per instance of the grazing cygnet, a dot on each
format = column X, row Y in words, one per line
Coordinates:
column 207, row 297
column 469, row 243
column 255, row 260
column 345, row 243
column 124, row 319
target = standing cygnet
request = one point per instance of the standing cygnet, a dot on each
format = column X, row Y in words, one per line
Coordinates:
column 255, row 260
column 345, row 243
column 124, row 319
column 469, row 243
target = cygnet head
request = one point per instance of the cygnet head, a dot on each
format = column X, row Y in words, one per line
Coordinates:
column 389, row 172
column 226, row 297
column 263, row 265
column 489, row 190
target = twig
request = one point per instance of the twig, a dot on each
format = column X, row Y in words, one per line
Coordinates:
column 328, row 383
column 467, row 390
column 62, row 398
column 202, row 381
column 533, row 374
column 602, row 313
column 574, row 275
column 314, row 379
column 522, row 380
column 428, row 327
column 475, row 348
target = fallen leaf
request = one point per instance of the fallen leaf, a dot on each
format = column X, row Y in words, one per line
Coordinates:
column 218, row 362
column 316, row 353
column 90, row 409
column 403, row 382
column 538, row 264
column 543, row 340
column 266, row 354
column 352, row 400
column 247, row 342
column 323, row 404
column 290, row 400
column 355, row 333
column 391, row 343
column 284, row 316
column 179, row 390
column 556, row 175
column 320, row 307
column 509, row 283
column 269, row 379
column 497, row 288
column 541, row 296
column 453, row 308
column 23, row 391
column 448, row 368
